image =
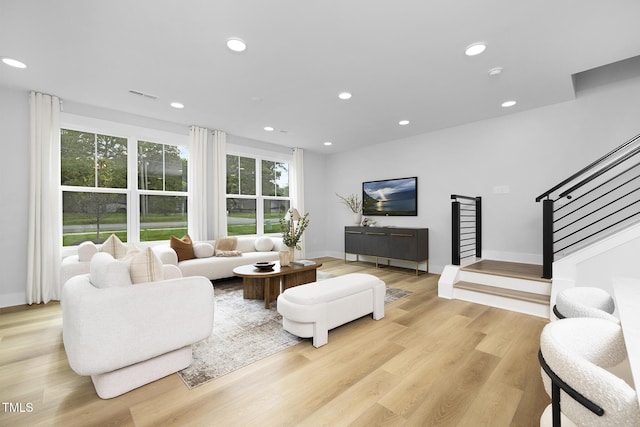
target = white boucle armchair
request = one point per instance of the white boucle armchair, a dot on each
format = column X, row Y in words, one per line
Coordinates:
column 127, row 336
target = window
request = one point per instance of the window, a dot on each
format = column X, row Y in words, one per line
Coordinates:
column 113, row 184
column 162, row 184
column 257, row 195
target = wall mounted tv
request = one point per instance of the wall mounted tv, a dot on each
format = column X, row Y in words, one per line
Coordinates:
column 390, row 197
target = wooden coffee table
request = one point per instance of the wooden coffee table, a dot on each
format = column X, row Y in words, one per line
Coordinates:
column 260, row 284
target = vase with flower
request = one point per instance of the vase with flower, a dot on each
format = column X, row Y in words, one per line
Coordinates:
column 354, row 203
column 292, row 226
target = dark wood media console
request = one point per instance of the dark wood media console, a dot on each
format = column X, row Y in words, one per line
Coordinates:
column 390, row 243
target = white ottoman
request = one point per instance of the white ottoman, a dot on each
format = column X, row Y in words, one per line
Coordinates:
column 311, row 310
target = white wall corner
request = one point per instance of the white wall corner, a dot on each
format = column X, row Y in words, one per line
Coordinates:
column 449, row 276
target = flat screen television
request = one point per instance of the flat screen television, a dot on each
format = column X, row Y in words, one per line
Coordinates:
column 390, row 197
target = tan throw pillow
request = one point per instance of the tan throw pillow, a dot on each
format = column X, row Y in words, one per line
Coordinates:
column 114, row 247
column 228, row 253
column 145, row 266
column 183, row 247
column 226, row 244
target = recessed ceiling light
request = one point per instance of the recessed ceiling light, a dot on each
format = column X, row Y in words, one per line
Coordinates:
column 475, row 49
column 507, row 104
column 269, row 128
column 236, row 44
column 495, row 71
column 177, row 105
column 14, row 63
column 327, row 143
column 403, row 122
column 344, row 95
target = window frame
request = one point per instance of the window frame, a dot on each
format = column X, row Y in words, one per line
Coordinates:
column 259, row 156
column 133, row 134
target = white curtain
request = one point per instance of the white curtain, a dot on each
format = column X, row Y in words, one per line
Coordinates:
column 197, row 206
column 45, row 225
column 219, row 184
column 297, row 187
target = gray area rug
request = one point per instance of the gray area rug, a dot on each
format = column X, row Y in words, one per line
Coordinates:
column 243, row 332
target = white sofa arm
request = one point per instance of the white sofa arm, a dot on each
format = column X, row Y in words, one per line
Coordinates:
column 71, row 266
column 166, row 254
column 107, row 329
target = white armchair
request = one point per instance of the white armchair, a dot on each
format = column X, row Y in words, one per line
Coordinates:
column 127, row 336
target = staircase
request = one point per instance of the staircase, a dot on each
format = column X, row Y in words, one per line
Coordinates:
column 508, row 285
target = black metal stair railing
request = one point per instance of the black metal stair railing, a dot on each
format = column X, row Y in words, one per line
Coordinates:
column 466, row 228
column 599, row 199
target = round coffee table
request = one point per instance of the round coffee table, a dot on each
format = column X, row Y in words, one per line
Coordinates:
column 266, row 284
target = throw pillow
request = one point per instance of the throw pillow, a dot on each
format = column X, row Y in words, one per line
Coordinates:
column 145, row 267
column 263, row 244
column 105, row 271
column 86, row 251
column 228, row 253
column 183, row 247
column 114, row 247
column 203, row 250
column 226, row 244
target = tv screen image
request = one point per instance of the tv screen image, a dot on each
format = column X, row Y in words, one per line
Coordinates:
column 390, row 197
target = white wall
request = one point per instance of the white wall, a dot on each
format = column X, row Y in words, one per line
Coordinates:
column 14, row 184
column 529, row 152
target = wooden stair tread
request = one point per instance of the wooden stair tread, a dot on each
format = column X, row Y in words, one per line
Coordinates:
column 503, row 292
column 508, row 269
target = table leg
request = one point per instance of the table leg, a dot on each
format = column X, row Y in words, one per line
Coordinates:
column 253, row 288
column 271, row 290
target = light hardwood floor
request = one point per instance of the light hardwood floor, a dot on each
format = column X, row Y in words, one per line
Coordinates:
column 429, row 362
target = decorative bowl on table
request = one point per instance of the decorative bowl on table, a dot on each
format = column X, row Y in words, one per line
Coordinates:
column 264, row 265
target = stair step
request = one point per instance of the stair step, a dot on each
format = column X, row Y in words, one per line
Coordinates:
column 503, row 292
column 507, row 269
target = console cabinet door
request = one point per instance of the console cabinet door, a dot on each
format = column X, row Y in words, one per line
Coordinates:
column 354, row 240
column 375, row 243
column 402, row 244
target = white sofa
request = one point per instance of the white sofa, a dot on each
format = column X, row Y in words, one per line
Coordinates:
column 211, row 267
column 127, row 336
column 214, row 267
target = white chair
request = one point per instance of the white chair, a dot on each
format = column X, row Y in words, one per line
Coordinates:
column 585, row 301
column 573, row 355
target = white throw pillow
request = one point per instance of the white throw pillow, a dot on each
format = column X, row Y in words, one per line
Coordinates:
column 114, row 246
column 105, row 272
column 145, row 266
column 203, row 250
column 86, row 251
column 263, row 244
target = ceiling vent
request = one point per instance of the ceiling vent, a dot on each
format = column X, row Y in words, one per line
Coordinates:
column 146, row 95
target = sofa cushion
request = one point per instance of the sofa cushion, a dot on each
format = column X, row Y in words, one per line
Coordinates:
column 183, row 247
column 226, row 244
column 105, row 271
column 86, row 251
column 145, row 266
column 114, row 247
column 263, row 244
column 203, row 250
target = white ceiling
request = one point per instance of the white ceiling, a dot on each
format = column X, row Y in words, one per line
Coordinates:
column 401, row 59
